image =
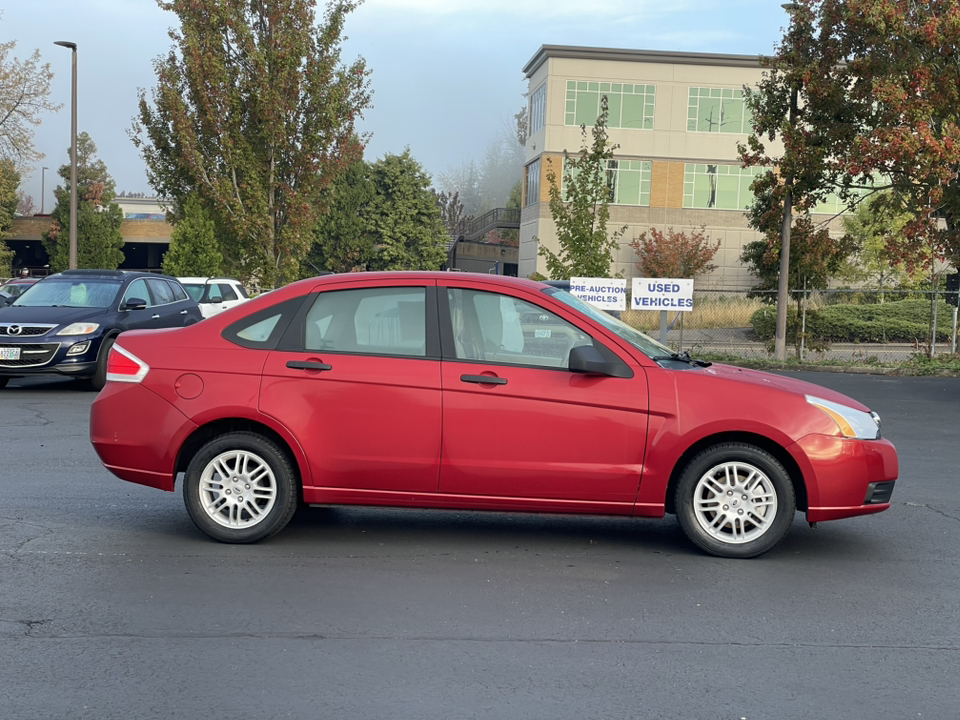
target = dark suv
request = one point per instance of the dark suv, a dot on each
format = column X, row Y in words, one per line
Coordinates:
column 66, row 323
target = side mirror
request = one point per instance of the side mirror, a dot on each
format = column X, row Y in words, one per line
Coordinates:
column 587, row 359
column 135, row 303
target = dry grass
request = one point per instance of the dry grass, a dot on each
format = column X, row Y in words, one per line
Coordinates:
column 710, row 311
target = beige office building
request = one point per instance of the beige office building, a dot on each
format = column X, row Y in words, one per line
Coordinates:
column 677, row 119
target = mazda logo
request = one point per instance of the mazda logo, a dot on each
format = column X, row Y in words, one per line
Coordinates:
column 13, row 330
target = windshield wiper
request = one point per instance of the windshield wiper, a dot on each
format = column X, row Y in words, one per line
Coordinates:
column 684, row 357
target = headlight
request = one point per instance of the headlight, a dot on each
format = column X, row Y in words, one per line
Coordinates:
column 79, row 329
column 851, row 422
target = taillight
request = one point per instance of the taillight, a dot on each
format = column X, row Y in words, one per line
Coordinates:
column 124, row 366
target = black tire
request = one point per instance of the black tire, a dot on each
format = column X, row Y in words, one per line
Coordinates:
column 253, row 464
column 735, row 500
column 99, row 378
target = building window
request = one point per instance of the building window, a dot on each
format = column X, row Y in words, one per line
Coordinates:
column 721, row 187
column 627, row 180
column 532, row 194
column 630, row 106
column 717, row 110
column 538, row 109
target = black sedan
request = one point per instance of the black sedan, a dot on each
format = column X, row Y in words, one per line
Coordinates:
column 66, row 323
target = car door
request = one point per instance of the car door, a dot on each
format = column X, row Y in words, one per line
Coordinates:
column 517, row 423
column 357, row 380
column 140, row 318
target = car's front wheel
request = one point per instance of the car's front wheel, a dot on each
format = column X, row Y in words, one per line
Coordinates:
column 99, row 378
column 240, row 488
column 735, row 500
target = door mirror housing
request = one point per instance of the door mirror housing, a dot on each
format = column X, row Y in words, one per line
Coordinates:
column 135, row 303
column 587, row 359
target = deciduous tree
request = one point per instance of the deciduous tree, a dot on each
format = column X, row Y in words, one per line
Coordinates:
column 9, row 182
column 254, row 111
column 674, row 254
column 99, row 241
column 580, row 208
column 24, row 99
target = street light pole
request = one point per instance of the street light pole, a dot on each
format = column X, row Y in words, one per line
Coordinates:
column 783, row 286
column 43, row 186
column 73, row 154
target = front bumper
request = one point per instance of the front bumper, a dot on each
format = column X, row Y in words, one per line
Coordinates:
column 846, row 477
column 49, row 357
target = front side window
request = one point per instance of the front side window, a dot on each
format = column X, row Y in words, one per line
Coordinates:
column 161, row 290
column 718, row 110
column 629, row 105
column 138, row 289
column 375, row 321
column 490, row 327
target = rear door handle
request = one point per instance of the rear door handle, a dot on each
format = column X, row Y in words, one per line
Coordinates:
column 154, row 317
column 299, row 365
column 483, row 379
column 183, row 312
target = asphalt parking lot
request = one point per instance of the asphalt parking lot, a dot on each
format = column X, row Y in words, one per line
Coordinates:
column 113, row 605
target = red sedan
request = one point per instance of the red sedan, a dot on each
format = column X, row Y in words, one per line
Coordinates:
column 453, row 390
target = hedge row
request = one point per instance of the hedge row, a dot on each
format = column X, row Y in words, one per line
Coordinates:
column 901, row 321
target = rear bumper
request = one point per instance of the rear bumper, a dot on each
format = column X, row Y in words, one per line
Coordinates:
column 137, row 434
column 846, row 477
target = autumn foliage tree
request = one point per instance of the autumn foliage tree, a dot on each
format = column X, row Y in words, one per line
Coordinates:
column 877, row 87
column 254, row 111
column 674, row 254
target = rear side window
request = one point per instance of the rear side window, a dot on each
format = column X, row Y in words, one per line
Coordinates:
column 264, row 328
column 178, row 292
column 375, row 321
column 227, row 292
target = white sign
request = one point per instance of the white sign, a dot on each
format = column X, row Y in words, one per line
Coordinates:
column 602, row 293
column 662, row 294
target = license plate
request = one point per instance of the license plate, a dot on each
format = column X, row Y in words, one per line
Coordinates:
column 10, row 353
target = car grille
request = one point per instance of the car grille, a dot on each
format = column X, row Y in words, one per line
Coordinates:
column 17, row 330
column 31, row 355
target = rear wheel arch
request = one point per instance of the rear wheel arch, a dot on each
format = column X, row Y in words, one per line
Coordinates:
column 764, row 443
column 203, row 434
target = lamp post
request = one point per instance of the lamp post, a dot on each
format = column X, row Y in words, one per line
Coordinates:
column 43, row 186
column 783, row 289
column 73, row 154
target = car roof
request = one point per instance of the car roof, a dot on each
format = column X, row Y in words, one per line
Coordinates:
column 206, row 279
column 21, row 281
column 107, row 274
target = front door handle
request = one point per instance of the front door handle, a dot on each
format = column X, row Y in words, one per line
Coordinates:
column 484, row 379
column 309, row 365
column 154, row 317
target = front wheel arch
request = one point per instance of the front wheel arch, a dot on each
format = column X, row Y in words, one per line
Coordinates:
column 764, row 443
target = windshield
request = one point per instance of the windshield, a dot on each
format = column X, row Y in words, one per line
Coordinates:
column 70, row 292
column 642, row 342
column 193, row 290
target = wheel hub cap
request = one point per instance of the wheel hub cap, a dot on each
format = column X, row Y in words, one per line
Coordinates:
column 237, row 489
column 735, row 502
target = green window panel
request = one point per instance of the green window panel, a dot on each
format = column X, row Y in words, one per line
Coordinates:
column 614, row 103
column 633, row 111
column 717, row 110
column 629, row 188
column 630, row 106
column 588, row 108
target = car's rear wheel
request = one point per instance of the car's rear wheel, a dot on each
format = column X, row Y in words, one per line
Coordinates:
column 735, row 500
column 99, row 378
column 240, row 488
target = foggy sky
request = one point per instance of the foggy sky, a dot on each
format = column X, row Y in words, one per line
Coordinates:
column 447, row 74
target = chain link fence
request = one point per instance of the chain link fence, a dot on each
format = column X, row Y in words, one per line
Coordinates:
column 838, row 326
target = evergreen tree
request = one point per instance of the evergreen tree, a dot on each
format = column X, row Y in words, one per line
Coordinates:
column 404, row 218
column 194, row 250
column 9, row 199
column 581, row 210
column 342, row 240
column 99, row 241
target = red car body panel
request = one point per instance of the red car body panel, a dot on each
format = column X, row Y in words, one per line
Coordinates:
column 411, row 432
